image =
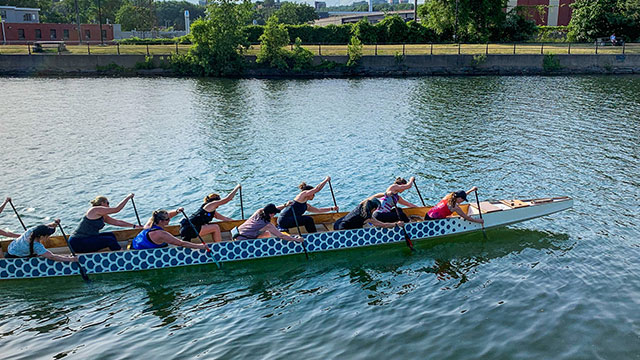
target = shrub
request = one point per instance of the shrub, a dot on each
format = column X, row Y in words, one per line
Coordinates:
column 272, row 41
column 550, row 63
column 300, row 58
column 354, row 50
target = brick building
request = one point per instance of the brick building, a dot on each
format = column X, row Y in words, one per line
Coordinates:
column 546, row 12
column 22, row 33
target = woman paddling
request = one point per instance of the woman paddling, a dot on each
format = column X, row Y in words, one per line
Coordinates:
column 389, row 212
column 155, row 236
column 202, row 218
column 3, row 232
column 363, row 213
column 87, row 236
column 29, row 244
column 451, row 204
column 259, row 226
column 300, row 206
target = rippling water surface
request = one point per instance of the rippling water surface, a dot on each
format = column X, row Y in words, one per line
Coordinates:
column 559, row 287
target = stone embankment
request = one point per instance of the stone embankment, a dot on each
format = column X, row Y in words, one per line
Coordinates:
column 334, row 66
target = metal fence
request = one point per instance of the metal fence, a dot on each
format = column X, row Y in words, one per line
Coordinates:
column 330, row 49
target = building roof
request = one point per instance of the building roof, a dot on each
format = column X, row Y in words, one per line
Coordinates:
column 19, row 8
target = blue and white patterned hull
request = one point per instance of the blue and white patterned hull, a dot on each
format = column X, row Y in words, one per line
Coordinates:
column 134, row 260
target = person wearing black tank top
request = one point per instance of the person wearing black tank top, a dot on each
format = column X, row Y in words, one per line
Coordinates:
column 300, row 205
column 202, row 218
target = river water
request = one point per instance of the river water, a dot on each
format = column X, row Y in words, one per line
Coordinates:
column 564, row 286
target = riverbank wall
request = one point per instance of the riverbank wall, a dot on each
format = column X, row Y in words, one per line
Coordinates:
column 335, row 66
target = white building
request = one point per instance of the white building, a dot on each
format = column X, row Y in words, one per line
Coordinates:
column 12, row 14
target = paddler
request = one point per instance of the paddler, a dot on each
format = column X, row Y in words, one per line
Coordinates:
column 259, row 225
column 29, row 244
column 451, row 204
column 155, row 236
column 362, row 214
column 389, row 211
column 3, row 232
column 300, row 206
column 202, row 218
column 87, row 236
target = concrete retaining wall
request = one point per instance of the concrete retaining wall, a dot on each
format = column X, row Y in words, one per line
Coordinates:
column 420, row 65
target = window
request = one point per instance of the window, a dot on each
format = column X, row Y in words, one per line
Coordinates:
column 87, row 34
column 3, row 14
column 104, row 34
column 52, row 34
column 38, row 34
column 27, row 17
column 65, row 34
column 21, row 34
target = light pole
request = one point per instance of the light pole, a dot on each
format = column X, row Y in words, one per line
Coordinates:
column 78, row 22
column 4, row 36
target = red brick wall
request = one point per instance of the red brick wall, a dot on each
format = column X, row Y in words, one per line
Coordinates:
column 12, row 32
column 564, row 14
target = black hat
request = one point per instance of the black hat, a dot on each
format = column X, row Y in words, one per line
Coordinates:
column 271, row 209
column 461, row 194
column 42, row 230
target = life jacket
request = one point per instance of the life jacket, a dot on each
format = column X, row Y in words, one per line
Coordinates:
column 142, row 241
column 440, row 211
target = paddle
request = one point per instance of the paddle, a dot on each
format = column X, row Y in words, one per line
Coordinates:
column 83, row 273
column 480, row 213
column 241, row 204
column 333, row 196
column 201, row 240
column 420, row 195
column 18, row 215
column 136, row 211
column 295, row 218
column 407, row 239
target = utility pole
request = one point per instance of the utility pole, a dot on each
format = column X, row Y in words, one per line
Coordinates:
column 100, row 22
column 78, row 22
column 415, row 10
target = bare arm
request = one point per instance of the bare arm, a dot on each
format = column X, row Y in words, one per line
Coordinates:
column 9, row 234
column 459, row 211
column 219, row 216
column 396, row 188
column 404, row 202
column 314, row 209
column 55, row 257
column 111, row 221
column 475, row 188
column 175, row 212
column 214, row 204
column 274, row 231
column 307, row 193
column 165, row 237
column 4, row 203
column 378, row 223
column 98, row 211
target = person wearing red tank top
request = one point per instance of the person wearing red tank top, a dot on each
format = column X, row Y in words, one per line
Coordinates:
column 451, row 204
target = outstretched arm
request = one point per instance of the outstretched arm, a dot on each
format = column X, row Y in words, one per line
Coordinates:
column 98, row 211
column 404, row 202
column 459, row 211
column 170, row 239
column 316, row 210
column 475, row 188
column 214, row 204
column 219, row 216
column 317, row 188
column 378, row 223
column 55, row 257
column 274, row 231
column 111, row 221
column 9, row 234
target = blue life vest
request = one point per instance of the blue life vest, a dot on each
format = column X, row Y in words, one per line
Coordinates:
column 142, row 241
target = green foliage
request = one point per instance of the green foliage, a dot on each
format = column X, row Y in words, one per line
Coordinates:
column 479, row 59
column 518, row 26
column 398, row 57
column 253, row 33
column 591, row 19
column 295, row 14
column 300, row 57
column 147, row 64
column 477, row 20
column 272, row 43
column 393, row 29
column 419, row 34
column 306, row 33
column 552, row 33
column 365, row 32
column 132, row 17
column 354, row 51
column 171, row 13
column 217, row 41
column 550, row 63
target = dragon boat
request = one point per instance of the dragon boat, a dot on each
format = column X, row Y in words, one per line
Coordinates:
column 495, row 213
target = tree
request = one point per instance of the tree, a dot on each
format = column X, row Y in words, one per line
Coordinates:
column 474, row 20
column 171, row 13
column 518, row 27
column 591, row 19
column 394, row 28
column 218, row 41
column 365, row 32
column 135, row 17
column 296, row 14
column 272, row 43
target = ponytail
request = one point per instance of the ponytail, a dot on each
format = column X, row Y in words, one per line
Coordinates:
column 211, row 197
column 303, row 186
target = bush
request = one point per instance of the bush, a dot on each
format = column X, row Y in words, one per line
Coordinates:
column 272, row 41
column 300, row 58
column 365, row 32
column 552, row 33
column 517, row 27
column 394, row 28
column 354, row 50
column 550, row 63
column 253, row 33
column 147, row 64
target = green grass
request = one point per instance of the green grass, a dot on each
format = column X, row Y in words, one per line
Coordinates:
column 409, row 49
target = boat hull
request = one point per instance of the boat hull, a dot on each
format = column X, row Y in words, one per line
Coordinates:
column 120, row 261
